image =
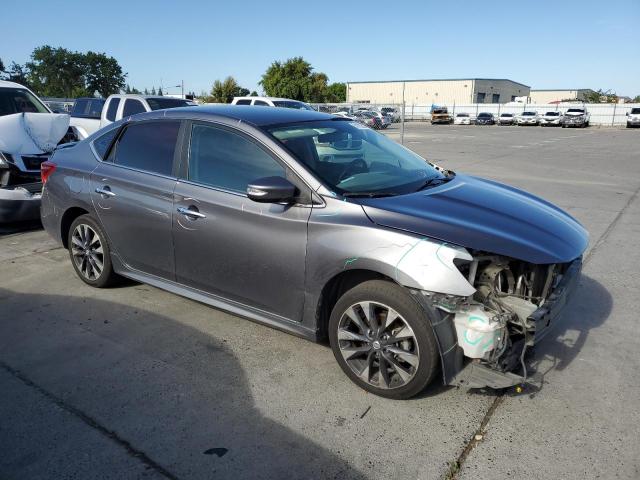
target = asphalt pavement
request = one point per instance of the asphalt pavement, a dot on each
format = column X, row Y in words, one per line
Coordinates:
column 135, row 382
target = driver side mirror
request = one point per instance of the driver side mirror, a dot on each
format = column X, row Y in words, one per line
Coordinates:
column 271, row 190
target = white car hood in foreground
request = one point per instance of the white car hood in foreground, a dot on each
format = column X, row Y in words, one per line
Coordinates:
column 32, row 133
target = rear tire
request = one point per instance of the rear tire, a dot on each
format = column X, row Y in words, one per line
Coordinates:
column 393, row 357
column 90, row 253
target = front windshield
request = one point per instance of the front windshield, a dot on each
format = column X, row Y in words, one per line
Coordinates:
column 18, row 100
column 292, row 104
column 162, row 103
column 350, row 158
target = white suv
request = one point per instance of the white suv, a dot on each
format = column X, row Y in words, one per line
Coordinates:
column 633, row 117
column 271, row 102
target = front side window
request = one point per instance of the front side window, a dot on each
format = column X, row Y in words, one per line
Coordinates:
column 131, row 107
column 18, row 100
column 352, row 159
column 112, row 109
column 148, row 146
column 221, row 158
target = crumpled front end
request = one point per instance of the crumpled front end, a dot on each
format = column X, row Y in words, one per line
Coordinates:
column 484, row 337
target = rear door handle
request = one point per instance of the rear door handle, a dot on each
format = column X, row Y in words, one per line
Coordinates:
column 187, row 212
column 105, row 192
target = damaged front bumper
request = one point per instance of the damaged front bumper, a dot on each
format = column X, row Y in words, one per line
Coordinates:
column 459, row 370
column 20, row 203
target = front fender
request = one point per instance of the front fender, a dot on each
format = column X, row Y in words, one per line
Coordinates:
column 341, row 237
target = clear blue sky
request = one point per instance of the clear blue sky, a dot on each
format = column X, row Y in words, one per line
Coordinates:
column 543, row 43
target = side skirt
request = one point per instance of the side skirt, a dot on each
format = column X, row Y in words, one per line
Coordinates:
column 236, row 308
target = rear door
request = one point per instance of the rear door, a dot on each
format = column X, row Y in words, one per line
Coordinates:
column 132, row 192
column 230, row 246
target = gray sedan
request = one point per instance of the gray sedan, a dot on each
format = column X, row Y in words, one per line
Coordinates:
column 408, row 269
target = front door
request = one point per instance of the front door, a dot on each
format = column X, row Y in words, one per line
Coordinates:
column 228, row 245
column 132, row 192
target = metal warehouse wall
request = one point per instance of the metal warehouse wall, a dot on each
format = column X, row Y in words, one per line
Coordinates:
column 420, row 91
column 434, row 91
column 504, row 89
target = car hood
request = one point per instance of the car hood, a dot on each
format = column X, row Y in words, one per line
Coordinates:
column 484, row 215
column 32, row 133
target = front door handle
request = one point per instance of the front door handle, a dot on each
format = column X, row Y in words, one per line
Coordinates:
column 105, row 192
column 193, row 214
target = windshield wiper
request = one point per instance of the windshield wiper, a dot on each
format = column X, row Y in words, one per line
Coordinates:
column 433, row 182
column 368, row 194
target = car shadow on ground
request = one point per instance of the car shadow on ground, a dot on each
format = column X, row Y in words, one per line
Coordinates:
column 19, row 227
column 589, row 307
column 172, row 391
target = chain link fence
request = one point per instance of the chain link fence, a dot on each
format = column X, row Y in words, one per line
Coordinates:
column 601, row 114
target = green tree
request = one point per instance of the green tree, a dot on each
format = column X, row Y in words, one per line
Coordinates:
column 56, row 72
column 224, row 91
column 146, row 92
column 296, row 79
column 17, row 73
column 253, row 94
column 336, row 93
column 636, row 99
column 600, row 96
column 102, row 74
column 160, row 91
column 153, row 90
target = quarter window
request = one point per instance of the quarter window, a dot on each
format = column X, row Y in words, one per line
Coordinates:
column 224, row 159
column 101, row 144
column 243, row 102
column 112, row 109
column 148, row 146
column 131, row 107
column 261, row 103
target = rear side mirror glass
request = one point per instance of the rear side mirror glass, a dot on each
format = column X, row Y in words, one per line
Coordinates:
column 271, row 190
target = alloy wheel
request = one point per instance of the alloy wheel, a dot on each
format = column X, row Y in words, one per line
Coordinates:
column 87, row 251
column 378, row 345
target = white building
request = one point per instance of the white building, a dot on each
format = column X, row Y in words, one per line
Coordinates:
column 436, row 91
column 553, row 96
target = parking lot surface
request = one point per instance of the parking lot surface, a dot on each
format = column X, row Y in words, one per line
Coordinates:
column 134, row 382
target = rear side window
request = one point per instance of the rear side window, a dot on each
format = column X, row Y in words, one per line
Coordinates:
column 102, row 143
column 131, row 107
column 243, row 102
column 261, row 103
column 79, row 107
column 112, row 109
column 147, row 146
column 224, row 159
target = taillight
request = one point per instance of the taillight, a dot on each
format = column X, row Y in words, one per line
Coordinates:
column 46, row 169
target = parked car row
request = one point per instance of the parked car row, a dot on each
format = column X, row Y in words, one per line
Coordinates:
column 573, row 117
column 371, row 118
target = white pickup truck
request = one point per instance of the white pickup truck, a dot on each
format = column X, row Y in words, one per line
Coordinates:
column 86, row 119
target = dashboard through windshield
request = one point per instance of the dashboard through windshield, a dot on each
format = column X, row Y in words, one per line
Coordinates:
column 350, row 158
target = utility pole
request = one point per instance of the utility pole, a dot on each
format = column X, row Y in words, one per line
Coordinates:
column 182, row 88
column 402, row 124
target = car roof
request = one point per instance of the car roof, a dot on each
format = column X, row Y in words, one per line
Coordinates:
column 7, row 84
column 254, row 115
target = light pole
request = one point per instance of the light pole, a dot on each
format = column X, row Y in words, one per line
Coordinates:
column 181, row 87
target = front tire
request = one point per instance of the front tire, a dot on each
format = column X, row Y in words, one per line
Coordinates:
column 89, row 252
column 382, row 340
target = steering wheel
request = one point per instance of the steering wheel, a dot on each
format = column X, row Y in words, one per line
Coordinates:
column 355, row 166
